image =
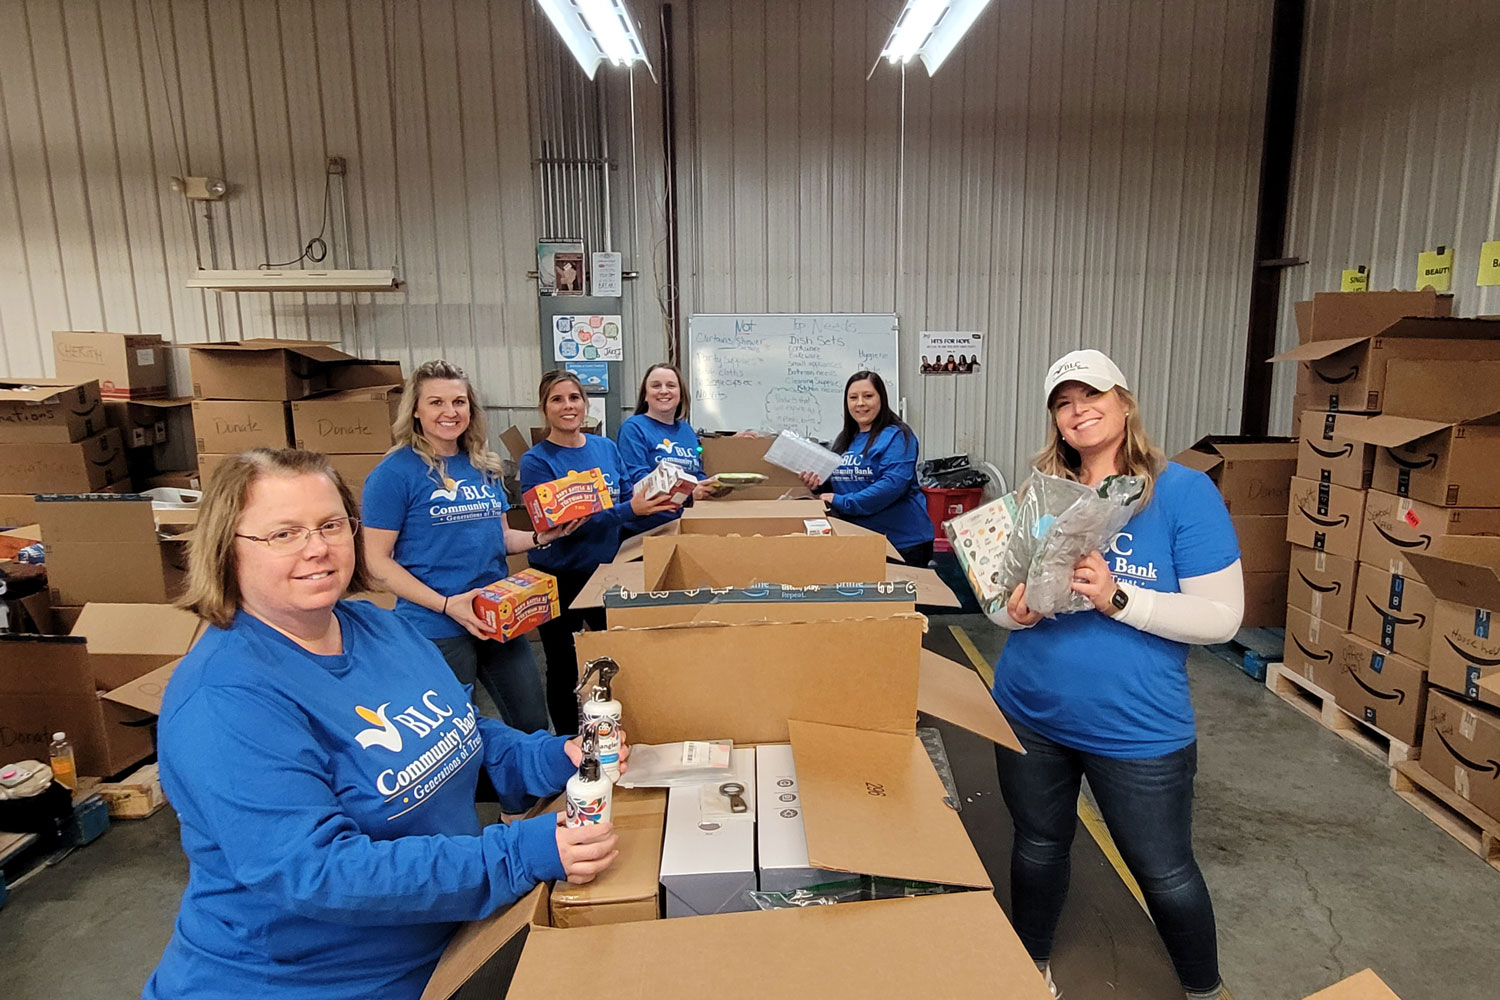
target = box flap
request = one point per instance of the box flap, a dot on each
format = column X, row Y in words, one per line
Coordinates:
column 931, row 588
column 477, row 942
column 1360, row 986
column 1462, row 569
column 1491, row 684
column 954, row 693
column 1392, row 432
column 681, row 562
column 744, row 454
column 630, row 575
column 873, row 805
column 137, row 629
column 515, row 444
column 1444, row 328
column 1317, row 350
column 145, row 692
column 95, row 517
column 1456, row 391
column 353, row 373
column 1201, row 461
column 316, row 350
column 900, row 947
column 36, row 390
column 160, row 404
column 371, row 393
column 639, row 816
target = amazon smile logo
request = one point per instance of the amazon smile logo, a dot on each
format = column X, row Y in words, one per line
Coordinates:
column 1338, row 380
column 1422, row 542
column 1418, row 621
column 1399, row 697
column 1491, row 765
column 1309, row 653
column 1478, row 661
column 1342, row 521
column 1343, row 452
column 1336, row 587
column 1429, row 462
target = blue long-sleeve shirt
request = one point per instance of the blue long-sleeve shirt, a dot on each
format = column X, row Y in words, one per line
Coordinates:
column 645, row 443
column 598, row 540
column 877, row 488
column 327, row 812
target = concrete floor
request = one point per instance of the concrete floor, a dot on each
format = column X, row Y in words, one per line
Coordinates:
column 1316, row 868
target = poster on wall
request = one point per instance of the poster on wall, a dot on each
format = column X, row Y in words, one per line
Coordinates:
column 587, row 338
column 559, row 267
column 605, row 275
column 950, row 353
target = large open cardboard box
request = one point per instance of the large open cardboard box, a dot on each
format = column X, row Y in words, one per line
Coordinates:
column 1464, row 575
column 126, row 365
column 1253, row 473
column 281, row 369
column 1336, row 315
column 127, row 641
column 113, row 548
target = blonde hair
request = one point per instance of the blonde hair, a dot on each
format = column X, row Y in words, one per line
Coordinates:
column 1138, row 456
column 213, row 588
column 473, row 442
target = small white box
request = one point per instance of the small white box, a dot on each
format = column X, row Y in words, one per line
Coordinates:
column 779, row 832
column 667, row 479
column 708, row 861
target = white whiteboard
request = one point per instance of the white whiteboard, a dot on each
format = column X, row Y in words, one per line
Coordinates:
column 785, row 371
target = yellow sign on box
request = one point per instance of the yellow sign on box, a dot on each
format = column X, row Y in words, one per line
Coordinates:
column 1435, row 269
column 1489, row 263
column 1355, row 279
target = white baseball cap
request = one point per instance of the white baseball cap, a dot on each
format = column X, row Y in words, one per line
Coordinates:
column 1092, row 368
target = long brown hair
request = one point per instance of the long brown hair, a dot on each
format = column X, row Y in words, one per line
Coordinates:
column 1138, row 456
column 473, row 442
column 213, row 587
column 544, row 389
column 885, row 418
column 682, row 390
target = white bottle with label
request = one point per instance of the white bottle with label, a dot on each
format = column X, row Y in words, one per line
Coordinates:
column 589, row 792
column 604, row 711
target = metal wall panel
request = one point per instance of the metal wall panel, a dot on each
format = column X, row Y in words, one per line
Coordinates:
column 1398, row 151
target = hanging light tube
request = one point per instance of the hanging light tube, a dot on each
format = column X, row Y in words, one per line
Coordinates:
column 596, row 31
column 929, row 30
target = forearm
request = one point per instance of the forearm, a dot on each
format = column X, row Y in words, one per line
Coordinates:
column 1207, row 610
column 398, row 580
column 517, row 541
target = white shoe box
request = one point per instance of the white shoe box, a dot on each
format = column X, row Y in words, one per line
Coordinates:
column 780, row 836
column 708, row 862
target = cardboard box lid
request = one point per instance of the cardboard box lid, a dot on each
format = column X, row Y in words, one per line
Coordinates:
column 873, row 805
column 1360, row 986
column 363, row 394
column 1211, row 451
column 137, row 629
column 1462, row 569
column 1317, row 350
column 961, row 941
column 315, row 350
column 1457, row 391
column 38, row 390
column 145, row 692
column 1392, row 432
column 477, row 941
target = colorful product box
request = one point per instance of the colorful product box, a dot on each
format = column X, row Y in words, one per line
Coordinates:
column 667, row 479
column 517, row 604
column 574, row 496
column 979, row 539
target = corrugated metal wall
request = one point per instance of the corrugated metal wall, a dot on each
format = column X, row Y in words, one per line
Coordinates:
column 1398, row 151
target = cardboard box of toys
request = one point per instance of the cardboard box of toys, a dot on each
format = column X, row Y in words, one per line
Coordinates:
column 281, row 369
column 574, row 496
column 519, row 603
column 230, row 426
column 347, row 421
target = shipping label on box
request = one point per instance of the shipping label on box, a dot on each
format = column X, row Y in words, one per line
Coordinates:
column 230, row 426
column 1326, row 454
column 1325, row 517
column 49, row 411
column 1460, row 747
column 1396, row 528
column 1322, row 585
column 1394, row 612
column 349, row 422
column 1311, row 647
column 1381, row 688
column 126, row 365
column 517, row 604
column 574, row 496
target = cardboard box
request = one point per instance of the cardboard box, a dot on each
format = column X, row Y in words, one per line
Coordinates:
column 110, row 549
column 1336, row 315
column 90, row 464
column 46, row 685
column 137, row 796
column 629, row 889
column 1395, row 612
column 1396, row 527
column 230, row 426
column 17, row 509
column 1349, row 373
column 745, row 454
column 575, row 495
column 1322, row 585
column 1252, row 473
column 750, row 517
column 127, row 641
column 354, row 469
column 1460, row 747
column 1263, row 544
column 49, row 411
column 180, row 479
column 1265, row 600
column 1301, row 403
column 708, row 864
column 126, row 365
column 1312, row 647
column 780, row 836
column 517, row 604
column 1381, row 688
column 1325, row 517
column 262, row 369
column 667, row 479
column 348, row 421
column 759, row 603
column 1327, row 454
column 1464, row 576
column 1360, row 986
column 143, row 423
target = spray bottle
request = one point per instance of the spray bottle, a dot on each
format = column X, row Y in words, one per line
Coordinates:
column 604, row 711
column 589, row 792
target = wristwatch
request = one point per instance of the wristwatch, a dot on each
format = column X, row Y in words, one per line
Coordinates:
column 1119, row 600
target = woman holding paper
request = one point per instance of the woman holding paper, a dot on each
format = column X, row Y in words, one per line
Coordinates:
column 875, row 485
column 1104, row 693
column 659, row 432
column 322, row 759
column 574, row 557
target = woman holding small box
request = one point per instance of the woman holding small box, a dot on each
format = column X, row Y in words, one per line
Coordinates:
column 875, row 485
column 435, row 536
column 574, row 557
column 659, row 431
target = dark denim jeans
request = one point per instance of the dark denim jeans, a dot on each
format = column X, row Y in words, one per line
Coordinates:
column 508, row 672
column 1147, row 805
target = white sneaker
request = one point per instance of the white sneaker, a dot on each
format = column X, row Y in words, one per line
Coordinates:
column 1046, row 971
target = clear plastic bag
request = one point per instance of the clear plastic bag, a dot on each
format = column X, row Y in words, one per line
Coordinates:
column 668, row 765
column 851, row 890
column 1058, row 522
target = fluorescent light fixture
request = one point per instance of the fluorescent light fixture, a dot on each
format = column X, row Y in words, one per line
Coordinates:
column 930, row 29
column 597, row 31
column 256, row 280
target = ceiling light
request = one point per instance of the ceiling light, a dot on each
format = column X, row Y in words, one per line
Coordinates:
column 930, row 29
column 595, row 31
column 295, row 280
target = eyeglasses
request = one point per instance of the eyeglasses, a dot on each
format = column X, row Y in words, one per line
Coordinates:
column 284, row 541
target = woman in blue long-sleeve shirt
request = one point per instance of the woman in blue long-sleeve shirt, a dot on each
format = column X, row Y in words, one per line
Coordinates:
column 574, row 558
column 875, row 486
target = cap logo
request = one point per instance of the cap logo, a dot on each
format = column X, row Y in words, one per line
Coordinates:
column 1069, row 366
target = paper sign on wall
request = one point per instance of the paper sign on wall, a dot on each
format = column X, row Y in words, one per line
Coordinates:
column 593, row 374
column 950, row 353
column 587, row 338
column 1435, row 269
column 605, row 275
column 1489, row 263
column 1355, row 279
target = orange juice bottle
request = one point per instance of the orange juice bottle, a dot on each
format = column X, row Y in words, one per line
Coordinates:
column 63, row 767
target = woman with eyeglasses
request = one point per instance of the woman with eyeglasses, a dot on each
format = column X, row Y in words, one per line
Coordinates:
column 435, row 536
column 322, row 759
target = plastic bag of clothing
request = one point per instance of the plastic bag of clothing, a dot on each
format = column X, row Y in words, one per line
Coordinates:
column 1057, row 523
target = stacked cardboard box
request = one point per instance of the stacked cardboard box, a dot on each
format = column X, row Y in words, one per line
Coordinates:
column 54, row 437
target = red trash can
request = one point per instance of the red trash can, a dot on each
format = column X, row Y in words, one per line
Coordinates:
column 943, row 505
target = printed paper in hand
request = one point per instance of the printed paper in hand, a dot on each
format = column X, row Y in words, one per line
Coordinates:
column 795, row 453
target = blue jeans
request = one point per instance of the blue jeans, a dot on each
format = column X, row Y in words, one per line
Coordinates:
column 508, row 672
column 1147, row 804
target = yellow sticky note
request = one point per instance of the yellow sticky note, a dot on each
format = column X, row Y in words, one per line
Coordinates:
column 1435, row 269
column 1355, row 279
column 1489, row 263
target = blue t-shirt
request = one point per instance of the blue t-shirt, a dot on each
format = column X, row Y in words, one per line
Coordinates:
column 327, row 812
column 878, row 489
column 646, row 442
column 452, row 532
column 599, row 539
column 1089, row 682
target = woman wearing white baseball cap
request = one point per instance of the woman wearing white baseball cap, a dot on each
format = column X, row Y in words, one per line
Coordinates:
column 1104, row 693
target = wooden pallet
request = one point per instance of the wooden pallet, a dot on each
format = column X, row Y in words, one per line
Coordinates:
column 1456, row 816
column 1318, row 705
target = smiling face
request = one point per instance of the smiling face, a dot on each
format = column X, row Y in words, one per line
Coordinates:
column 443, row 411
column 565, row 406
column 663, row 393
column 864, row 402
column 276, row 586
column 1089, row 420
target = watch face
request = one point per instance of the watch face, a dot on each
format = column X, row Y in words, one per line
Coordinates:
column 1119, row 599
